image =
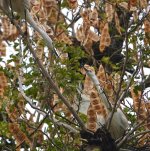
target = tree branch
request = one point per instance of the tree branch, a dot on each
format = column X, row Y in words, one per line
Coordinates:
column 125, row 138
column 47, row 76
column 117, row 103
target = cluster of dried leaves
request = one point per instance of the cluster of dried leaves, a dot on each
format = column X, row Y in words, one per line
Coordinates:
column 29, row 133
column 3, row 83
column 110, row 85
column 94, row 28
column 142, row 109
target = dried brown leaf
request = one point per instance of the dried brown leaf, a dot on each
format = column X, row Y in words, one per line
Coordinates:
column 109, row 9
column 91, row 119
column 80, row 34
column 147, row 26
column 73, row 4
column 18, row 134
column 143, row 3
column 124, row 5
column 105, row 39
column 93, row 17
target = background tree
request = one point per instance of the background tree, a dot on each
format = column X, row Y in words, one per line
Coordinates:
column 88, row 89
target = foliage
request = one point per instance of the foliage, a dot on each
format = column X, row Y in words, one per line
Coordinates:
column 110, row 39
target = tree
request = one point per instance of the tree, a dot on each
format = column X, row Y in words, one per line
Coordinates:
column 88, row 90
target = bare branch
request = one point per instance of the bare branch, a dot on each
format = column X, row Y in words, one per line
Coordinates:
column 125, row 138
column 47, row 76
column 138, row 134
column 28, row 99
column 117, row 103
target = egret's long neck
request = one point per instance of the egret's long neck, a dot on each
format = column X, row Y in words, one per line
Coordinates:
column 44, row 35
column 22, row 8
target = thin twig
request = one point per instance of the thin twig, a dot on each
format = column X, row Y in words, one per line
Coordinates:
column 33, row 131
column 48, row 77
column 43, row 112
column 138, row 134
column 117, row 103
column 125, row 138
column 121, row 78
column 28, row 99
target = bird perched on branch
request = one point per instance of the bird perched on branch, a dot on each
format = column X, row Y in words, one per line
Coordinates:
column 119, row 123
